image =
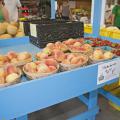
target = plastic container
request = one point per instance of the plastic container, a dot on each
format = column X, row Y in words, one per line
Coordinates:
column 116, row 34
column 88, row 29
column 55, row 31
column 105, row 32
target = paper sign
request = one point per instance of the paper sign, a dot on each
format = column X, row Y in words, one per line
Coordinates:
column 33, row 30
column 108, row 71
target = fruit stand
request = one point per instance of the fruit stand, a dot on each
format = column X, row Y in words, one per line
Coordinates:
column 18, row 100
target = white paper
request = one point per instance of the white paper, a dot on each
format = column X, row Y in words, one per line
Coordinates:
column 108, row 71
column 33, row 30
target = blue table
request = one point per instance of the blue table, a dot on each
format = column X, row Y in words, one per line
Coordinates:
column 29, row 96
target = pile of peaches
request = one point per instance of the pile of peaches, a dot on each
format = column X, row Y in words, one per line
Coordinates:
column 9, row 75
column 15, row 58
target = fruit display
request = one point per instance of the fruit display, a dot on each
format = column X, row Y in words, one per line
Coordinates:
column 10, row 30
column 116, row 52
column 40, row 69
column 9, row 75
column 101, row 55
column 73, row 60
column 15, row 58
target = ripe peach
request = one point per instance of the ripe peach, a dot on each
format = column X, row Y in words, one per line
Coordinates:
column 12, row 55
column 50, row 45
column 50, row 62
column 43, row 68
column 11, row 77
column 2, row 72
column 52, row 68
column 77, row 44
column 11, row 69
column 2, row 80
column 75, row 60
column 23, row 56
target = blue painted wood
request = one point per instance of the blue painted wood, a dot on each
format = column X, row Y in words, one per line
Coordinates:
column 13, row 41
column 53, row 9
column 30, row 96
column 97, row 17
column 110, row 96
column 93, row 102
column 84, row 99
column 22, row 118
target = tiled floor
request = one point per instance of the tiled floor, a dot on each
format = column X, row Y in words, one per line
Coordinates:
column 73, row 107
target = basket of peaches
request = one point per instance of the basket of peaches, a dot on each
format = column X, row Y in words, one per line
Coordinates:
column 9, row 75
column 78, row 46
column 40, row 69
column 17, row 59
column 73, row 60
column 100, row 55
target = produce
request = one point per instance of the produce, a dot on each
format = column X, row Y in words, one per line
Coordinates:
column 12, row 77
column 23, row 56
column 20, row 34
column 2, row 28
column 12, row 30
column 5, row 36
column 45, row 66
column 10, row 74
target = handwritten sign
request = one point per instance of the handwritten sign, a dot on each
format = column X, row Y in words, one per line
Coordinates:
column 33, row 30
column 108, row 71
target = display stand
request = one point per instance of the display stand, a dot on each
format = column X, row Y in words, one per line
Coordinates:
column 29, row 96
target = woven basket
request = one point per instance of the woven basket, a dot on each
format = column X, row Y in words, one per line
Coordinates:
column 32, row 76
column 12, row 83
column 67, row 67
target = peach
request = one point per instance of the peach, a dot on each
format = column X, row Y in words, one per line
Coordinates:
column 75, row 60
column 52, row 68
column 47, row 51
column 2, row 80
column 108, row 55
column 70, row 56
column 14, row 60
column 23, row 56
column 2, row 72
column 44, row 56
column 11, row 69
column 12, row 77
column 77, row 44
column 43, row 68
column 12, row 55
column 1, row 58
column 50, row 62
column 50, row 45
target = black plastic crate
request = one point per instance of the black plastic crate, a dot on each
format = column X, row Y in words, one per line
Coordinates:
column 27, row 23
column 41, row 44
column 56, row 31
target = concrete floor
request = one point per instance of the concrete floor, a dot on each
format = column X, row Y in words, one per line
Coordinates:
column 73, row 107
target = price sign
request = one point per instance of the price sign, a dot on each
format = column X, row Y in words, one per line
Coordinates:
column 108, row 71
column 33, row 30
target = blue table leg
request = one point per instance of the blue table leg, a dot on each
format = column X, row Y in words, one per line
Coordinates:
column 25, row 117
column 93, row 97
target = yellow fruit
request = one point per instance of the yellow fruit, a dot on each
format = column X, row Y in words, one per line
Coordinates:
column 12, row 78
column 5, row 36
column 12, row 30
column 108, row 55
column 16, row 24
column 20, row 34
column 2, row 28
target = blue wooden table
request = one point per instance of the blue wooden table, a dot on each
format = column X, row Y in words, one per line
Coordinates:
column 29, row 96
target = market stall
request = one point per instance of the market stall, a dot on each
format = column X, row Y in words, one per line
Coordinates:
column 32, row 95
